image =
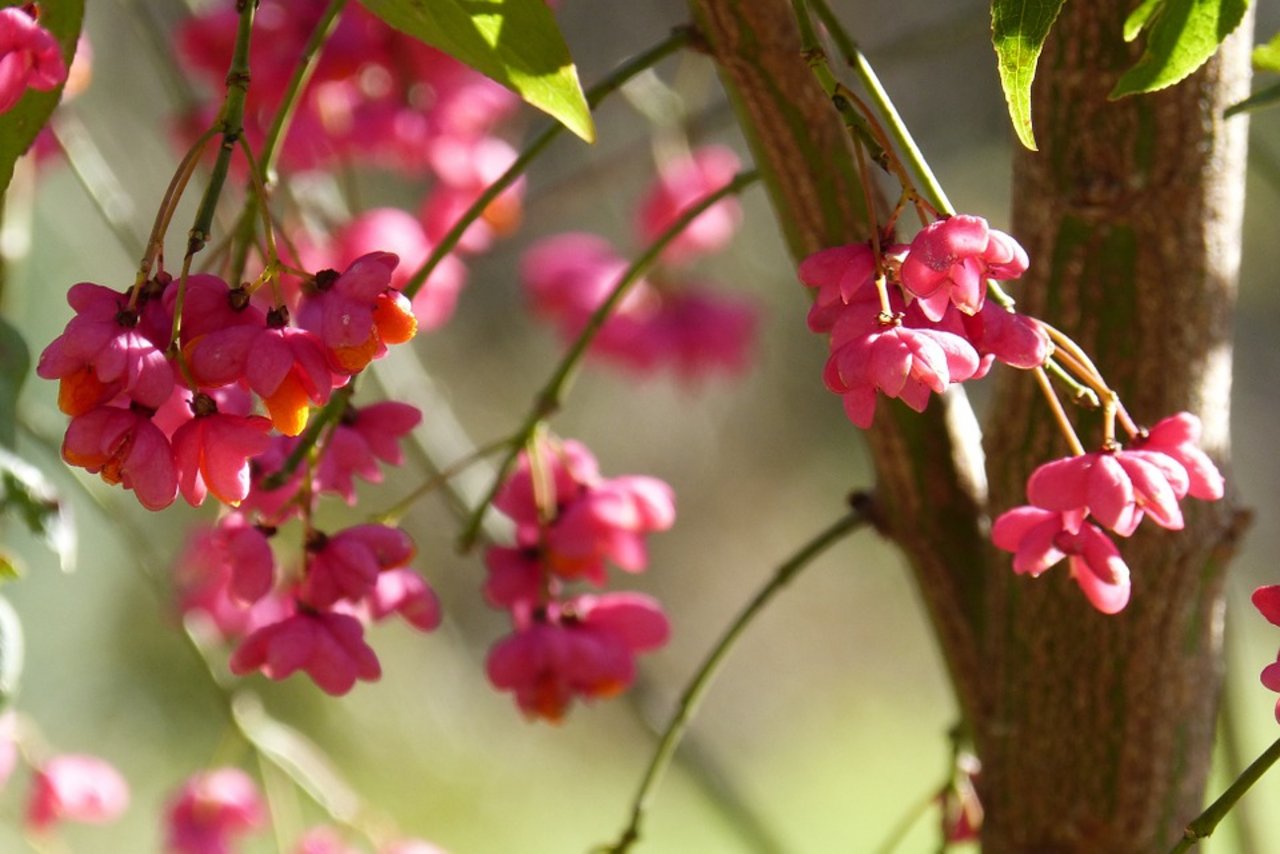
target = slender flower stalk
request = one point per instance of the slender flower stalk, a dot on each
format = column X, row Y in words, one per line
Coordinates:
column 551, row 397
column 1205, row 823
column 697, row 687
column 597, row 93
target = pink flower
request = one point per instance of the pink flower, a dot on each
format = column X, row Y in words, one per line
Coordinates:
column 402, row 591
column 1040, row 538
column 103, row 353
column 585, row 647
column 346, row 564
column 357, row 314
column 1267, row 601
column 869, row 355
column 1011, row 338
column 516, row 578
column 328, row 647
column 212, row 453
column 842, row 275
column 76, row 787
column 1117, row 487
column 1178, row 436
column 364, row 436
column 467, row 168
column 30, row 58
column 125, row 447
column 682, row 183
column 210, row 810
column 951, row 259
column 217, row 576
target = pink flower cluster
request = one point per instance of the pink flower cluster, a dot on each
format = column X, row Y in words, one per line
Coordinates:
column 30, row 57
column 1117, row 488
column 377, row 95
column 75, row 787
column 570, row 522
column 1267, row 601
column 939, row 328
column 211, row 810
column 668, row 320
column 162, row 417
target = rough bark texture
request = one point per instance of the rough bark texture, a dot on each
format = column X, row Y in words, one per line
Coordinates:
column 1094, row 731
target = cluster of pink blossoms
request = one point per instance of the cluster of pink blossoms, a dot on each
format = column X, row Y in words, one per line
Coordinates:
column 30, row 57
column 939, row 328
column 570, row 521
column 915, row 319
column 667, row 320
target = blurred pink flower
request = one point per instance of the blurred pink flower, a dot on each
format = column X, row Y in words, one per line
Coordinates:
column 682, row 183
column 30, row 57
column 210, row 810
column 345, row 565
column 328, row 647
column 76, row 787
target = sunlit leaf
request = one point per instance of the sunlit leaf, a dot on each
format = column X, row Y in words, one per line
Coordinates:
column 15, row 362
column 1266, row 57
column 1018, row 31
column 1181, row 35
column 26, row 494
column 1139, row 18
column 19, row 126
column 515, row 42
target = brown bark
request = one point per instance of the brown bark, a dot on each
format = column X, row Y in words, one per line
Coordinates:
column 1094, row 731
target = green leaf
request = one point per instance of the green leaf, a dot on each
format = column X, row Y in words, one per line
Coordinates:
column 515, row 42
column 1262, row 98
column 12, row 653
column 1266, row 57
column 1018, row 31
column 15, row 362
column 19, row 126
column 1181, row 36
column 26, row 493
column 1139, row 18
column 11, row 568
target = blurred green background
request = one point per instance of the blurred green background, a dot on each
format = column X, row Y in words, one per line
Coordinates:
column 830, row 720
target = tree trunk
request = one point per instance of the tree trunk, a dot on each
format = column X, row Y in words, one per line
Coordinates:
column 1094, row 731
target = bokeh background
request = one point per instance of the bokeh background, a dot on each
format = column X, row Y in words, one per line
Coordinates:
column 830, row 721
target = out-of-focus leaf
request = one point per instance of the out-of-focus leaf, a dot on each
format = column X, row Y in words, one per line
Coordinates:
column 19, row 126
column 1018, row 31
column 1181, row 36
column 12, row 653
column 1262, row 98
column 27, row 494
column 15, row 362
column 1266, row 57
column 10, row 567
column 514, row 42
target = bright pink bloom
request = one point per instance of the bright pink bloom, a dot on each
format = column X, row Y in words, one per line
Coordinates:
column 30, row 58
column 516, row 578
column 868, row 355
column 210, row 810
column 218, row 576
column 123, row 446
column 1117, row 487
column 585, row 647
column 1011, row 338
column 357, row 314
column 1040, row 538
column 1178, row 436
column 364, row 436
column 682, row 183
column 76, row 787
column 328, row 647
column 951, row 259
column 103, row 353
column 346, row 564
column 402, row 591
column 399, row 232
column 212, row 453
column 842, row 275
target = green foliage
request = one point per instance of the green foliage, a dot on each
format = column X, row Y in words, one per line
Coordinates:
column 26, row 494
column 1018, row 31
column 1181, row 36
column 1266, row 57
column 515, row 42
column 15, row 363
column 19, row 126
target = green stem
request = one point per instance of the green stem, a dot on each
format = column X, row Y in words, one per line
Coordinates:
column 329, row 413
column 1205, row 823
column 698, row 685
column 597, row 93
column 437, row 479
column 927, row 182
column 551, row 397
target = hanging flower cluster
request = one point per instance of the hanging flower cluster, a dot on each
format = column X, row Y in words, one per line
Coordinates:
column 30, row 57
column 907, row 321
column 668, row 320
column 570, row 522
